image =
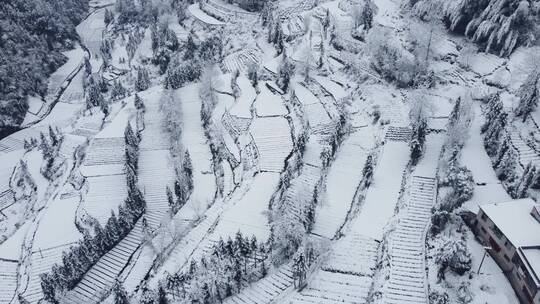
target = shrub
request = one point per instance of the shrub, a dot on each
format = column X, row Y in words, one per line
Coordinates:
column 461, row 181
column 439, row 219
column 436, row 297
column 455, row 255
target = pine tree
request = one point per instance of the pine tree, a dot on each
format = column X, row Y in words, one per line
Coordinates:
column 132, row 145
column 173, row 203
column 454, row 115
column 526, row 182
column 94, row 96
column 278, row 39
column 237, row 274
column 87, row 67
column 139, row 104
column 143, row 80
column 55, row 142
column 507, row 166
column 367, row 172
column 285, row 73
column 190, row 48
column 367, row 14
column 45, row 147
column 118, row 90
column 253, row 75
column 528, row 95
column 109, row 17
column 188, row 171
column 418, row 141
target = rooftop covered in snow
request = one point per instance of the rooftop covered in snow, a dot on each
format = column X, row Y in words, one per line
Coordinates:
column 514, row 220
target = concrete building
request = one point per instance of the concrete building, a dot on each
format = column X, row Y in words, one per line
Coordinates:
column 512, row 230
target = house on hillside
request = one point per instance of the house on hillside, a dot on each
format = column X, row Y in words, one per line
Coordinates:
column 512, row 230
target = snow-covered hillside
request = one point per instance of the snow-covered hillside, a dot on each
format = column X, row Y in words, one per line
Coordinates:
column 296, row 151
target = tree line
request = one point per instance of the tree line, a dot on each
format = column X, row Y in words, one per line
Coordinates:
column 98, row 240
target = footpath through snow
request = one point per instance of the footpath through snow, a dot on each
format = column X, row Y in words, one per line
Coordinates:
column 406, row 245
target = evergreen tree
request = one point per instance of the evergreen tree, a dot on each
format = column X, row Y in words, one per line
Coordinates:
column 285, row 73
column 94, row 96
column 278, row 38
column 170, row 199
column 139, row 104
column 526, row 182
column 188, row 171
column 190, row 48
column 528, row 94
column 367, row 14
column 55, row 141
column 143, row 80
column 118, row 91
column 418, row 141
column 507, row 167
column 495, row 125
column 454, row 115
column 132, row 143
column 109, row 17
column 367, row 172
column 253, row 75
column 45, row 147
column 87, row 67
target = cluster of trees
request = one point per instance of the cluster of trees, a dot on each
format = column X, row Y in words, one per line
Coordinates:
column 24, row 186
column 180, row 72
column 455, row 255
column 94, row 244
column 171, row 107
column 118, row 91
column 458, row 178
column 208, row 95
column 135, row 37
column 188, row 66
column 95, row 89
column 34, row 33
column 302, row 261
column 250, row 5
column 50, row 149
column 164, row 45
column 499, row 25
column 497, row 143
column 529, row 94
column 183, row 186
column 285, row 73
column 362, row 15
column 394, row 62
column 290, row 223
column 129, row 12
column 143, row 79
column 221, row 273
column 418, row 115
column 275, row 34
column 106, row 48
